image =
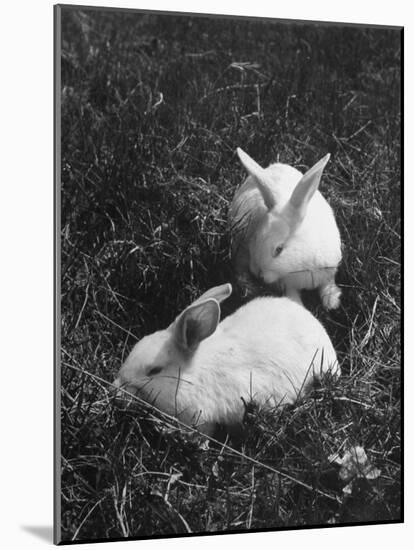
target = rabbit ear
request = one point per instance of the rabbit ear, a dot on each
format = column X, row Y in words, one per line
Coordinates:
column 219, row 293
column 196, row 323
column 258, row 173
column 305, row 189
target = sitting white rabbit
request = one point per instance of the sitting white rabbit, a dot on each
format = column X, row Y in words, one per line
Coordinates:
column 284, row 232
column 202, row 371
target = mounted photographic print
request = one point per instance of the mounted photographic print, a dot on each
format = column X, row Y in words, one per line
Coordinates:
column 228, row 260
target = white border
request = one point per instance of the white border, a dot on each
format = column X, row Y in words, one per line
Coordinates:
column 26, row 270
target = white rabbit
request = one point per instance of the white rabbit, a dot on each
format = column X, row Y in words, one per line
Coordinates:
column 284, row 232
column 202, row 371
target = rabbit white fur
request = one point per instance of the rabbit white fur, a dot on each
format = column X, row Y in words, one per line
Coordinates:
column 200, row 370
column 284, row 232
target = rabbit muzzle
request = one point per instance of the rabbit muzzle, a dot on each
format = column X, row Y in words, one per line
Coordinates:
column 124, row 394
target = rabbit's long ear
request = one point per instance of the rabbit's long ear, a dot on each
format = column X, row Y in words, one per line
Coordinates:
column 258, row 173
column 196, row 323
column 219, row 293
column 305, row 190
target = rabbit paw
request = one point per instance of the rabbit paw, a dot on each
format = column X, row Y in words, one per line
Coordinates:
column 331, row 296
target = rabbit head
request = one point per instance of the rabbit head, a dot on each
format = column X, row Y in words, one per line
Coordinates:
column 284, row 232
column 281, row 219
column 158, row 367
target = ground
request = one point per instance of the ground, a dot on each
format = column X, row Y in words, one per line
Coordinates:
column 153, row 108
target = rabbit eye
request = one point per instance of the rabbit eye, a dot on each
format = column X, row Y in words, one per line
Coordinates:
column 277, row 251
column 153, row 371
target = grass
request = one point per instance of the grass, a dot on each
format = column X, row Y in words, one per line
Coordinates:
column 153, row 108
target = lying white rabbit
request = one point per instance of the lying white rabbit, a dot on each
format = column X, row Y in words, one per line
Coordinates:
column 202, row 371
column 284, row 232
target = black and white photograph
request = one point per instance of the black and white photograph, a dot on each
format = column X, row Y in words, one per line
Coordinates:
column 228, row 204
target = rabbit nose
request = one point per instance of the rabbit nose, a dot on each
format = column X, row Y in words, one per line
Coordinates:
column 124, row 394
column 119, row 395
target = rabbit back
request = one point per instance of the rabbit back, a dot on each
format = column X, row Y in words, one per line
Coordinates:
column 268, row 351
